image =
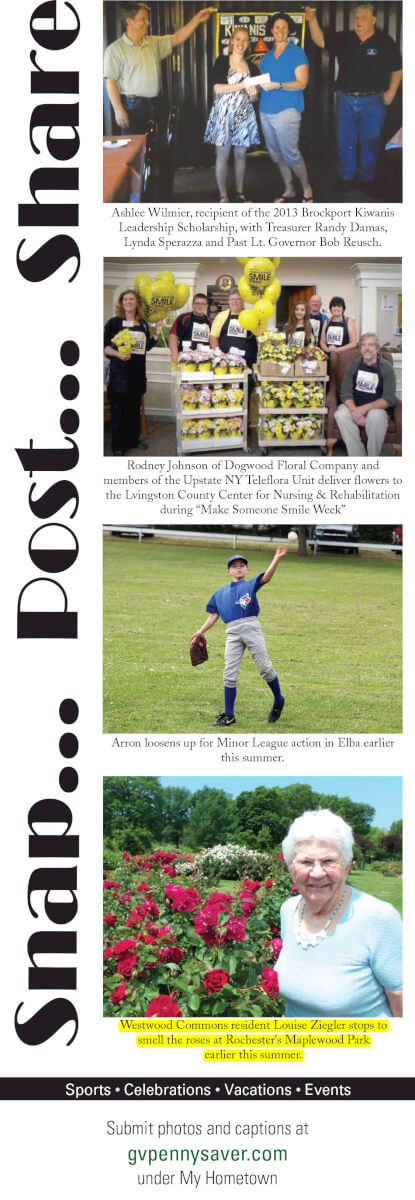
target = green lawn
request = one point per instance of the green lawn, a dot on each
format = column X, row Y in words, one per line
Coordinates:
column 332, row 626
column 381, row 886
column 371, row 882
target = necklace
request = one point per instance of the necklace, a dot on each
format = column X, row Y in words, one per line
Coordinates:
column 303, row 942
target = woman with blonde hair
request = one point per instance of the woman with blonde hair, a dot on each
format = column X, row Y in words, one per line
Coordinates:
column 232, row 121
column 127, row 372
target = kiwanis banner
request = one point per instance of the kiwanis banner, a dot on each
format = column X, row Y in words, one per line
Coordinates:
column 257, row 26
column 108, row 1075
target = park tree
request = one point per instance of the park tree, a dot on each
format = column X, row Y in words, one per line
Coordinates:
column 211, row 818
column 359, row 816
column 277, row 808
column 178, row 803
column 396, row 827
column 273, row 807
column 130, row 803
column 301, row 531
column 391, row 845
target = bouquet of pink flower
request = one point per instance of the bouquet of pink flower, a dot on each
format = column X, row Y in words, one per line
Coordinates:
column 311, row 352
column 187, row 360
column 203, row 358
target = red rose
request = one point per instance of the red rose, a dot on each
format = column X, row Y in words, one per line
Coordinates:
column 276, row 946
column 160, row 856
column 281, row 856
column 126, row 856
column 108, row 953
column 293, row 890
column 159, row 931
column 269, row 982
column 126, row 964
column 118, row 995
column 235, row 930
column 170, row 954
column 163, row 1006
column 110, row 919
column 269, row 883
column 109, row 883
column 220, row 900
column 206, row 925
column 182, row 899
column 214, row 981
column 248, row 907
column 251, row 885
column 123, row 947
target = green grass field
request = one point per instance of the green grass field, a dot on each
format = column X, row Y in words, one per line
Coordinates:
column 370, row 882
column 332, row 625
column 384, row 887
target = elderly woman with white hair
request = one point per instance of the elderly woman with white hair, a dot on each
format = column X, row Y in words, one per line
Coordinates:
column 352, row 965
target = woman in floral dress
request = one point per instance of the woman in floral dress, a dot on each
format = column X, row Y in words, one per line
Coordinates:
column 232, row 121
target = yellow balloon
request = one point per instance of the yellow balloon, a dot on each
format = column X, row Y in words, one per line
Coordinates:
column 276, row 262
column 273, row 291
column 249, row 319
column 264, row 309
column 166, row 276
column 145, row 293
column 163, row 294
column 182, row 294
column 259, row 272
column 242, row 260
column 142, row 281
column 244, row 290
column 156, row 314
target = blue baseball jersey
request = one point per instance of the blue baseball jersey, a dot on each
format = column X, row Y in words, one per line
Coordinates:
column 237, row 599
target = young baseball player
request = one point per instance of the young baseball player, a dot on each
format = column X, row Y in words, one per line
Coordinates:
column 237, row 604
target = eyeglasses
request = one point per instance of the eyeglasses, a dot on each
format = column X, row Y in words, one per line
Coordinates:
column 309, row 864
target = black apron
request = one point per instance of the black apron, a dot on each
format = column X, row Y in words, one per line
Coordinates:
column 233, row 337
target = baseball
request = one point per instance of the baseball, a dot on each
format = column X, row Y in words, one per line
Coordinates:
column 292, row 536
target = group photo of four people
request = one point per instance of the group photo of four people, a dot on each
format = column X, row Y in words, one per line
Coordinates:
column 311, row 99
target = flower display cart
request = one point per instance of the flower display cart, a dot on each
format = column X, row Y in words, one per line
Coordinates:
column 211, row 403
column 292, row 389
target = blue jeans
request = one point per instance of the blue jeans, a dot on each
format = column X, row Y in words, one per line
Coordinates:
column 281, row 132
column 140, row 112
column 360, row 120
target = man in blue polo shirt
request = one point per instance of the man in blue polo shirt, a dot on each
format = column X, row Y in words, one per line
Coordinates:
column 369, row 76
column 237, row 605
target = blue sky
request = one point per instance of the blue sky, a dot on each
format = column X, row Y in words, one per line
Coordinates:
column 383, row 792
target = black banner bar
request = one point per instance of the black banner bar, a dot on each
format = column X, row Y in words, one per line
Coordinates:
column 210, row 1088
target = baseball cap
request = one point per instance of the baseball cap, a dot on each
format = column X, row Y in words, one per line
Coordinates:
column 237, row 558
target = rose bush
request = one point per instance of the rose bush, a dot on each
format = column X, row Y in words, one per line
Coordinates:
column 179, row 948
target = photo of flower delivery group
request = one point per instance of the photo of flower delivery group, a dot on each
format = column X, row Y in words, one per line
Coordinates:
column 246, row 626
column 253, row 354
column 234, row 897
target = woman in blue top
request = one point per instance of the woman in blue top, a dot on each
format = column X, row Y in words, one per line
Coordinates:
column 282, row 103
column 352, row 965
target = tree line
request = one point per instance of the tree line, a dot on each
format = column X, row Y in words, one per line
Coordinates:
column 139, row 812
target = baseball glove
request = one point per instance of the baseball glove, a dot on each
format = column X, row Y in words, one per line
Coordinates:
column 198, row 650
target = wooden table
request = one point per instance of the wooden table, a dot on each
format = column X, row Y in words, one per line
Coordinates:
column 123, row 168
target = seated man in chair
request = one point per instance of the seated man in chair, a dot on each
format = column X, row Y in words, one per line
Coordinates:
column 367, row 399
